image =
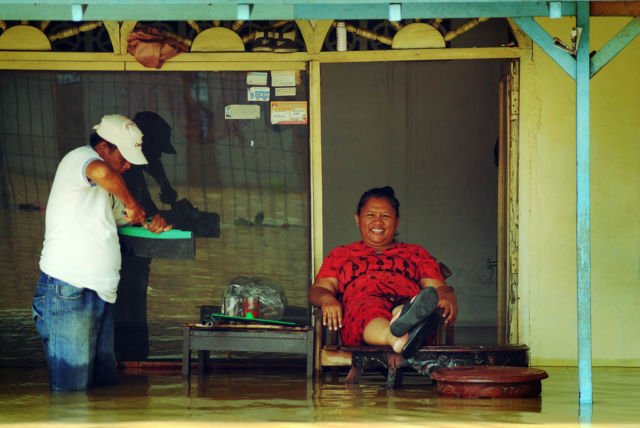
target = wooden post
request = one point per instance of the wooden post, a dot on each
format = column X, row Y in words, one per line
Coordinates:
column 583, row 206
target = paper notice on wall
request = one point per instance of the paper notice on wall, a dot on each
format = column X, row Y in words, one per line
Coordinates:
column 289, row 112
column 242, row 111
column 257, row 78
column 258, row 93
column 283, row 78
column 286, row 92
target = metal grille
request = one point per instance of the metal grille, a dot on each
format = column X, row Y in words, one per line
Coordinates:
column 254, row 174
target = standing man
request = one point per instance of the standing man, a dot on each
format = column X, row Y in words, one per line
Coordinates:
column 80, row 260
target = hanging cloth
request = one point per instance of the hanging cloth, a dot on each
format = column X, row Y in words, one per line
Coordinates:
column 151, row 48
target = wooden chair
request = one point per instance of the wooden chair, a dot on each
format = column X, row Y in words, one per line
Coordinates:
column 329, row 353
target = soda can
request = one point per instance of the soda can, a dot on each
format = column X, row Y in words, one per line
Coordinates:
column 251, row 305
column 232, row 305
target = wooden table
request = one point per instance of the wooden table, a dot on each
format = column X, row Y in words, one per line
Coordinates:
column 244, row 338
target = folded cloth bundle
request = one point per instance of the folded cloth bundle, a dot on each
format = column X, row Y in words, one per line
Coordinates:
column 152, row 48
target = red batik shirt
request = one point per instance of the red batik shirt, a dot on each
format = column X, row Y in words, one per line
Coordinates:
column 371, row 282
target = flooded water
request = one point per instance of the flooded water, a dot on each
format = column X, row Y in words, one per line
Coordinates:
column 285, row 398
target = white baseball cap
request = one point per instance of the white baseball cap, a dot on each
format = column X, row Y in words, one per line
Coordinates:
column 123, row 133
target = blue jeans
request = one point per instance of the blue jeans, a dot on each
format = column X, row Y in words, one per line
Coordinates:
column 76, row 328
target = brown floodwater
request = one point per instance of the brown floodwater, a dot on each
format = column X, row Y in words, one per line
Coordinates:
column 285, row 398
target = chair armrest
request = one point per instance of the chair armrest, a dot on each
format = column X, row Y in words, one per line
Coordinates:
column 329, row 337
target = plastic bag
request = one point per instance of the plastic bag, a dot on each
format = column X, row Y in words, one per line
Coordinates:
column 271, row 295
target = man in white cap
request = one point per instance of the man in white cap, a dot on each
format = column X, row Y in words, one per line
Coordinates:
column 80, row 260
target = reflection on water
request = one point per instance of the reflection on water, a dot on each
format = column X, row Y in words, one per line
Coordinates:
column 276, row 397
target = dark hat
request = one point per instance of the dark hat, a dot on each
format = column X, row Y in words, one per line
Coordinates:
column 157, row 134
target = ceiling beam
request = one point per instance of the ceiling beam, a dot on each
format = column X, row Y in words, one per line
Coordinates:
column 191, row 9
column 164, row 10
column 615, row 45
column 539, row 35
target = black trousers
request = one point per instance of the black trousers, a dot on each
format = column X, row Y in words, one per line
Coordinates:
column 131, row 335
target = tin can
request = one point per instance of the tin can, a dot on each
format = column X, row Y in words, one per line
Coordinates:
column 232, row 305
column 251, row 305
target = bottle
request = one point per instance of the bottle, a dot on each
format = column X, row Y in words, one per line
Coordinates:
column 232, row 303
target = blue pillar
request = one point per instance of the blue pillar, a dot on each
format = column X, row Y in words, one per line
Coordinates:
column 583, row 207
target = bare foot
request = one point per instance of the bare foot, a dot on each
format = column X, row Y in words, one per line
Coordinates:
column 398, row 310
column 400, row 342
column 396, row 313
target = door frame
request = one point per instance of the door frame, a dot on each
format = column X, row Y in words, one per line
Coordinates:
column 508, row 218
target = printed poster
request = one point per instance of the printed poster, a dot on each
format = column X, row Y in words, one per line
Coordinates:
column 242, row 111
column 257, row 78
column 283, row 78
column 289, row 112
column 258, row 93
column 286, row 92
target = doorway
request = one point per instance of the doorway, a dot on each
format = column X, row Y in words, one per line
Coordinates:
column 430, row 130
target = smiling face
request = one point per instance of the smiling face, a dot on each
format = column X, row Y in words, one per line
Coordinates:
column 378, row 223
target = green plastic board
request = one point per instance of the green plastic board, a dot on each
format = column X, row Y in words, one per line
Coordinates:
column 250, row 320
column 141, row 232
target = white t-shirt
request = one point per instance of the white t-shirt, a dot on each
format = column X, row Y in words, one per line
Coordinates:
column 81, row 244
